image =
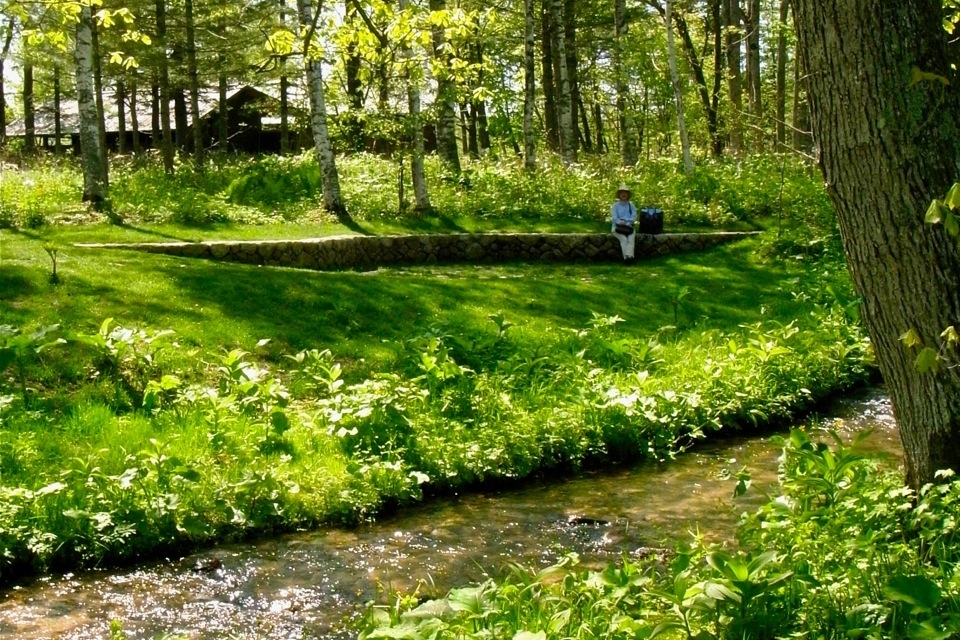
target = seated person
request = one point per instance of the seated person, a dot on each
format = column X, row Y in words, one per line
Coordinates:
column 623, row 215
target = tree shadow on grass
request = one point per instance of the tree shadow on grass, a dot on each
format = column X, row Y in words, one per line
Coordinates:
column 355, row 312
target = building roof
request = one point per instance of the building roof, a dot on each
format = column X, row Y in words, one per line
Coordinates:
column 209, row 100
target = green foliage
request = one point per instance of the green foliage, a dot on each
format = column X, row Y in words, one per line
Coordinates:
column 845, row 551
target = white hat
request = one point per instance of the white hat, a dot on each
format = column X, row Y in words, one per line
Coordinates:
column 623, row 187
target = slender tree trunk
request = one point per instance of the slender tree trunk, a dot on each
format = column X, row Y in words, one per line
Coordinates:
column 421, row 195
column 135, row 117
column 332, row 199
column 57, row 116
column 284, row 93
column 677, row 91
column 715, row 20
column 586, row 140
column 181, row 120
column 782, row 74
column 801, row 117
column 550, row 116
column 529, row 88
column 4, row 52
column 166, row 135
column 752, row 24
column 887, row 147
column 446, row 97
column 223, row 111
column 696, row 69
column 733, row 40
column 568, row 148
column 156, row 132
column 121, row 117
column 598, row 125
column 29, row 113
column 573, row 68
column 94, row 180
column 98, row 91
column 628, row 147
column 194, row 78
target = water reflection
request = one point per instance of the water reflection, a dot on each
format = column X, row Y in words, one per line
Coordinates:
column 309, row 585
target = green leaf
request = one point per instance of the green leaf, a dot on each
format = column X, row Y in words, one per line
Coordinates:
column 951, row 224
column 529, row 635
column 911, row 339
column 927, row 360
column 953, row 197
column 949, row 335
column 919, row 591
column 934, row 213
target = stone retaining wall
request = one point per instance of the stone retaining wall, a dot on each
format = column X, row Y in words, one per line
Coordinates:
column 341, row 252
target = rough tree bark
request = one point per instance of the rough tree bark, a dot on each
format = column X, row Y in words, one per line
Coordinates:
column 568, row 148
column 888, row 145
column 782, row 74
column 548, row 82
column 733, row 35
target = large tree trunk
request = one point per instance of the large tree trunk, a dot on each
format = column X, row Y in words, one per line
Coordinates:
column 568, row 149
column 332, row 199
column 677, row 90
column 193, row 75
column 888, row 145
column 94, row 180
column 732, row 42
column 421, row 195
column 166, row 136
column 29, row 113
column 782, row 74
column 446, row 98
column 628, row 147
column 529, row 89
column 717, row 22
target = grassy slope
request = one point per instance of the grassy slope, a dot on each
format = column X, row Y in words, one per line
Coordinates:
column 221, row 304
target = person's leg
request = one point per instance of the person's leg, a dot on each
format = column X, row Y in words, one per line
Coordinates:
column 626, row 245
column 628, row 248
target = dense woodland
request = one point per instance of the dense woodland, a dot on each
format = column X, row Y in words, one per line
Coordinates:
column 636, row 79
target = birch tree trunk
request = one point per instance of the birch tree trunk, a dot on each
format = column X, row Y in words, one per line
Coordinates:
column 194, row 80
column 677, row 91
column 628, row 147
column 98, row 93
column 446, row 97
column 529, row 89
column 421, row 195
column 568, row 149
column 332, row 199
column 94, row 180
column 888, row 145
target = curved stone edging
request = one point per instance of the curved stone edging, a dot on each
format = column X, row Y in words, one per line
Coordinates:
column 343, row 252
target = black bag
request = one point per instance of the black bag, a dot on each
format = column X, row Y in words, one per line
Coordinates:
column 624, row 229
column 651, row 220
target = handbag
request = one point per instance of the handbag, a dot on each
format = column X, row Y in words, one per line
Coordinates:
column 624, row 229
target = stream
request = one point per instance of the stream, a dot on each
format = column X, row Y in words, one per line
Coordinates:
column 309, row 585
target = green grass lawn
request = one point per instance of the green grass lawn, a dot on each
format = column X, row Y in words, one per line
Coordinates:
column 224, row 305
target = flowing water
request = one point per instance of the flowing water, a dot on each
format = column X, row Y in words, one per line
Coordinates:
column 310, row 585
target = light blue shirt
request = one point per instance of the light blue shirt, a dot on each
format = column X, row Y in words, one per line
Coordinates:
column 622, row 213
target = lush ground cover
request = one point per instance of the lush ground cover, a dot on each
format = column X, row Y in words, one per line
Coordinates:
column 151, row 404
column 844, row 551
